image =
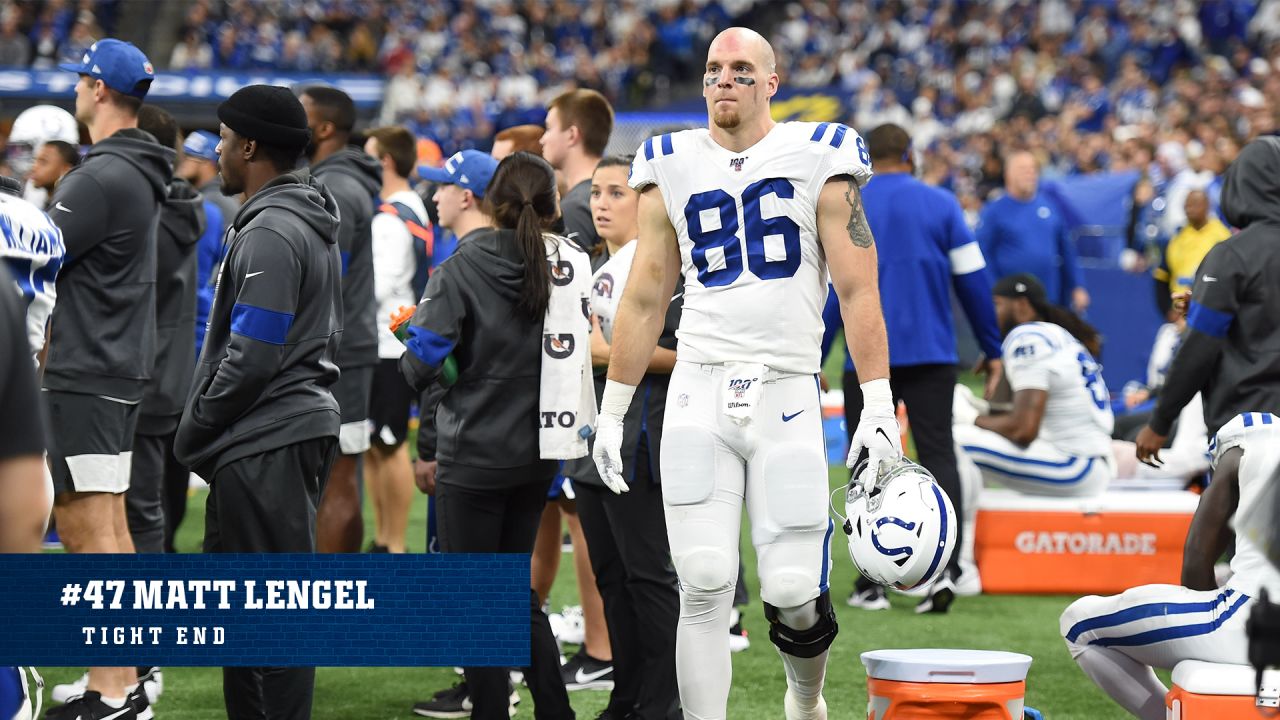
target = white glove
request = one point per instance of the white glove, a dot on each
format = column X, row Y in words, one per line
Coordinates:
column 608, row 452
column 878, row 430
column 966, row 407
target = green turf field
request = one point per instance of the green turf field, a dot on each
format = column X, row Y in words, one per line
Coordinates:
column 1022, row 624
column 1027, row 624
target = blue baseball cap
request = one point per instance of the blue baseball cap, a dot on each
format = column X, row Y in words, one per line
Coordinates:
column 119, row 64
column 469, row 169
column 202, row 144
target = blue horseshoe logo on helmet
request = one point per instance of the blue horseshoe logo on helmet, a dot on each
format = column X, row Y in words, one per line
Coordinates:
column 893, row 551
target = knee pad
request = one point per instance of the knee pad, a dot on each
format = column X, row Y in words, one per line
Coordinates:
column 706, row 569
column 688, row 465
column 804, row 643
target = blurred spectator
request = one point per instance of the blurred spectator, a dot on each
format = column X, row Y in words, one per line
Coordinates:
column 1025, row 232
column 53, row 160
column 15, row 51
column 521, row 138
column 1185, row 251
column 193, row 53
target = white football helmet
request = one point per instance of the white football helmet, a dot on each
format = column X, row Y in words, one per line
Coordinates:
column 34, row 127
column 902, row 532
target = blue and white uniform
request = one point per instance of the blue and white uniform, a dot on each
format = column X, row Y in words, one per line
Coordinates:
column 1072, row 454
column 743, row 423
column 31, row 248
column 1161, row 625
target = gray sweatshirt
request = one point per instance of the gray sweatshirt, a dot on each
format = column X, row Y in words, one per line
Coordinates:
column 269, row 355
column 355, row 180
column 181, row 225
column 103, row 327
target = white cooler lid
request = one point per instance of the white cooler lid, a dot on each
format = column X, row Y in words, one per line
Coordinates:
column 1206, row 678
column 947, row 666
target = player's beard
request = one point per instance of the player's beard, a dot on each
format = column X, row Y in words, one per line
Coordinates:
column 726, row 120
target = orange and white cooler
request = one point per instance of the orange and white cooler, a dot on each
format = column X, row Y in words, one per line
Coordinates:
column 1098, row 545
column 1215, row 691
column 934, row 684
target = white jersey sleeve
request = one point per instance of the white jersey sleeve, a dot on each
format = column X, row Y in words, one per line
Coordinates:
column 1257, row 434
column 842, row 151
column 32, row 249
column 1028, row 356
column 1243, row 429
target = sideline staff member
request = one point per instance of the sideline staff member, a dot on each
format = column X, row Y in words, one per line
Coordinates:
column 487, row 307
column 261, row 424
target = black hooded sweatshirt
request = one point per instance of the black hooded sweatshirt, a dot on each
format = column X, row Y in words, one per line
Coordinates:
column 182, row 223
column 267, row 365
column 1232, row 349
column 355, row 179
column 489, row 417
column 103, row 327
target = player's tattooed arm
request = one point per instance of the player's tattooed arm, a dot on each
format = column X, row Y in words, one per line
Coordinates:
column 859, row 231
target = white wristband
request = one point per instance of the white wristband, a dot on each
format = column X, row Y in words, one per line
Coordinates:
column 616, row 398
column 877, row 394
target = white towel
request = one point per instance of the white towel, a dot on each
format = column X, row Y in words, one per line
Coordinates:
column 567, row 395
column 742, row 390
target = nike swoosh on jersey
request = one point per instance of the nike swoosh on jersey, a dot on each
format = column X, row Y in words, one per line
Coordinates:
column 59, row 206
column 1210, row 278
column 582, row 677
column 124, row 710
column 792, row 416
column 253, row 274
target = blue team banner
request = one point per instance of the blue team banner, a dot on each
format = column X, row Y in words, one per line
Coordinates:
column 265, row 610
column 210, row 87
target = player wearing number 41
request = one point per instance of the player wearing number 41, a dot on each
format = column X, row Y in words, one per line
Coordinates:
column 754, row 215
column 1057, row 438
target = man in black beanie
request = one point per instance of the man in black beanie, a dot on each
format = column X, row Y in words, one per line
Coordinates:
column 261, row 424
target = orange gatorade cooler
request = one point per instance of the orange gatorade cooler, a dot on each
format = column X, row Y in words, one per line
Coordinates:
column 1215, row 691
column 1095, row 545
column 929, row 684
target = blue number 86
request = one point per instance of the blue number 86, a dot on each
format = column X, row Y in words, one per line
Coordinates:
column 757, row 228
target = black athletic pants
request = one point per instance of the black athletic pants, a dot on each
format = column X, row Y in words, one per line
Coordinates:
column 630, row 555
column 154, row 468
column 928, row 391
column 483, row 510
column 267, row 503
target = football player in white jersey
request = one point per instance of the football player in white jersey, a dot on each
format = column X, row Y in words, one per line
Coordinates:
column 31, row 247
column 754, row 215
column 1117, row 640
column 1057, row 439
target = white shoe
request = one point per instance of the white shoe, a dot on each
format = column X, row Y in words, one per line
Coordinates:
column 794, row 711
column 152, row 685
column 63, row 693
column 873, row 598
column 969, row 583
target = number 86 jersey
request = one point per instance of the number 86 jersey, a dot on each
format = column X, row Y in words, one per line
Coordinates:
column 755, row 275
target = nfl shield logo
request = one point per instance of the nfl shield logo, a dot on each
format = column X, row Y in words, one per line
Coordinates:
column 736, row 163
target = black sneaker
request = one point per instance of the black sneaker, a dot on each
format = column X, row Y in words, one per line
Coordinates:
column 584, row 672
column 374, row 547
column 455, row 702
column 940, row 597
column 89, row 706
column 140, row 704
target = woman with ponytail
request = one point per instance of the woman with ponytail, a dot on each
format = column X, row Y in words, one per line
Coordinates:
column 484, row 311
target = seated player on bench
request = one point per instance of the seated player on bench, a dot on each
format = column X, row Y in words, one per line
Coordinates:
column 1117, row 640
